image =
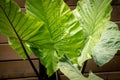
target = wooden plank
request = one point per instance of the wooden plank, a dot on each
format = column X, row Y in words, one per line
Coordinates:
column 115, row 2
column 107, row 75
column 113, row 76
column 63, row 77
column 71, row 2
column 104, row 75
column 7, row 53
column 3, row 39
column 16, row 69
column 111, row 66
column 115, row 13
column 29, row 78
column 21, row 3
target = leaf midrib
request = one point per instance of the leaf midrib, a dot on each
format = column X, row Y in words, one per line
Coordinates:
column 16, row 34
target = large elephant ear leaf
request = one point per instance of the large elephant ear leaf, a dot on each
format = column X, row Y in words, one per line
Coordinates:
column 108, row 45
column 64, row 29
column 21, row 29
column 72, row 72
column 93, row 16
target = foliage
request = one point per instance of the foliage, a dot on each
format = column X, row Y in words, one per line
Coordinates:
column 63, row 28
column 93, row 17
column 50, row 29
column 72, row 72
column 19, row 27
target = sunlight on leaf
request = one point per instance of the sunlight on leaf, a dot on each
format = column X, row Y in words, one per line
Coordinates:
column 93, row 16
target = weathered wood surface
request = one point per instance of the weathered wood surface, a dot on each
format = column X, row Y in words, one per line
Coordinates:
column 7, row 53
column 29, row 78
column 105, row 75
column 116, row 2
column 16, row 69
column 110, row 66
column 69, row 2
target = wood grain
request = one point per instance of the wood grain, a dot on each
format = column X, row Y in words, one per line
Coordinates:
column 104, row 75
column 113, row 65
column 29, row 78
column 7, row 53
column 3, row 39
column 21, row 3
column 115, row 2
column 16, row 69
column 115, row 16
column 71, row 2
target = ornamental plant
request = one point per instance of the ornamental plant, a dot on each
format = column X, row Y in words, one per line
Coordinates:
column 60, row 37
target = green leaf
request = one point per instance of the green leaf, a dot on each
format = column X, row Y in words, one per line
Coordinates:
column 47, row 55
column 72, row 72
column 64, row 30
column 69, row 70
column 108, row 45
column 93, row 77
column 93, row 16
column 19, row 27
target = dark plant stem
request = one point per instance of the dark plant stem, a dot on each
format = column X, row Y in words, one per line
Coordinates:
column 83, row 68
column 57, row 76
column 30, row 61
column 44, row 74
column 22, row 45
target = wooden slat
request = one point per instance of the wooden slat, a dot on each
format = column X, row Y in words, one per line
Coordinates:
column 113, row 76
column 107, row 75
column 7, row 53
column 16, row 69
column 29, row 78
column 21, row 3
column 71, row 2
column 115, row 13
column 3, row 39
column 104, row 75
column 113, row 65
column 63, row 77
column 115, row 2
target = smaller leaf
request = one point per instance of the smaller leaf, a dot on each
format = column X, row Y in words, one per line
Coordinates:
column 108, row 45
column 93, row 77
column 93, row 15
column 72, row 72
column 69, row 70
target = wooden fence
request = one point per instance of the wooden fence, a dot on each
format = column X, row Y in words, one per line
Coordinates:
column 12, row 67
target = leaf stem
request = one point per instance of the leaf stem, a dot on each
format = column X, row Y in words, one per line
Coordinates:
column 23, row 47
column 84, row 66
